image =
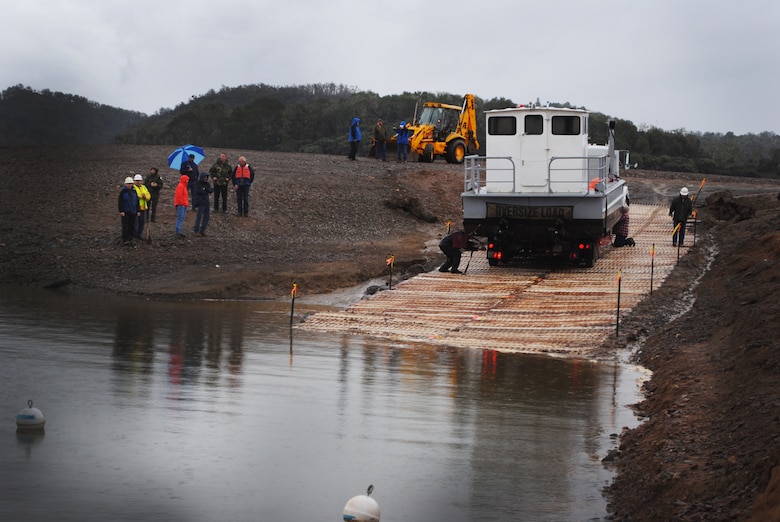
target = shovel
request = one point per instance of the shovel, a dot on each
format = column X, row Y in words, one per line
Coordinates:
column 148, row 232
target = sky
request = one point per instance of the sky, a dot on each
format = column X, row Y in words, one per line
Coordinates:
column 693, row 65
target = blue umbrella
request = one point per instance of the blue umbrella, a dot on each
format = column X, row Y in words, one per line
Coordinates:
column 182, row 154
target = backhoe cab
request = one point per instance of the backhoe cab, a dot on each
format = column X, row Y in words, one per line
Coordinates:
column 445, row 130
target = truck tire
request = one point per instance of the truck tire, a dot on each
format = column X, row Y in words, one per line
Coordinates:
column 456, row 151
column 427, row 154
column 590, row 260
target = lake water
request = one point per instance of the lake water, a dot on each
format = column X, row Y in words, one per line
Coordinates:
column 216, row 411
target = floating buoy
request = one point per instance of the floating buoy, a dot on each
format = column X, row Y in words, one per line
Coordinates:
column 30, row 419
column 362, row 508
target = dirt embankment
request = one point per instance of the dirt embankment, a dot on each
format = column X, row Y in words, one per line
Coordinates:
column 710, row 446
column 322, row 222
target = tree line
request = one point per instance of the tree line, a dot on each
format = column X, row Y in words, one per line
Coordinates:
column 29, row 117
column 315, row 119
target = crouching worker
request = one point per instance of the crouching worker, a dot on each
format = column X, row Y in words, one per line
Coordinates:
column 451, row 245
column 621, row 230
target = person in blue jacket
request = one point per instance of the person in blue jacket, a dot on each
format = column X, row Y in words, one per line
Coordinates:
column 129, row 211
column 354, row 138
column 403, row 133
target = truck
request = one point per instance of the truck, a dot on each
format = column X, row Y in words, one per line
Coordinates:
column 449, row 131
column 542, row 190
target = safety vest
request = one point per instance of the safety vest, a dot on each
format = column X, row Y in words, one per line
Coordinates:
column 143, row 196
column 243, row 172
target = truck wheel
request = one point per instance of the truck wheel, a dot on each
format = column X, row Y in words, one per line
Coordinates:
column 427, row 154
column 590, row 259
column 456, row 151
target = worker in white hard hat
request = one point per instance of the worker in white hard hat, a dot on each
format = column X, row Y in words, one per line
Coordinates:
column 128, row 211
column 680, row 210
column 144, row 196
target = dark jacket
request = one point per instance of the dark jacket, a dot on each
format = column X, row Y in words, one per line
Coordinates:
column 200, row 196
column 190, row 169
column 379, row 132
column 154, row 191
column 454, row 240
column 128, row 200
column 681, row 208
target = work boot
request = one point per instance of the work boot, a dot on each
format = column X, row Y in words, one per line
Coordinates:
column 456, row 271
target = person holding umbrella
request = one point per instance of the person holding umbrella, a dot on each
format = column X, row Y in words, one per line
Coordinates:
column 243, row 176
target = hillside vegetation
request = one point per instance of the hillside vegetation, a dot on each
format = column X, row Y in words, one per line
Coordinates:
column 315, row 119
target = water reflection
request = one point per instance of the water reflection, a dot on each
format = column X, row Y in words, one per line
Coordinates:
column 217, row 411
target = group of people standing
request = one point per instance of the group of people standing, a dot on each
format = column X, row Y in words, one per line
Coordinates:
column 379, row 140
column 139, row 197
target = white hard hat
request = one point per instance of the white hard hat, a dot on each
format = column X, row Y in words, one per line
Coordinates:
column 138, row 177
column 128, row 179
column 684, row 191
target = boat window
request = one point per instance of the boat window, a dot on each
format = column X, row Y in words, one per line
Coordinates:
column 502, row 126
column 566, row 125
column 534, row 124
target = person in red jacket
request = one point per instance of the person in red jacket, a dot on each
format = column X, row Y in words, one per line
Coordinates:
column 180, row 201
column 243, row 176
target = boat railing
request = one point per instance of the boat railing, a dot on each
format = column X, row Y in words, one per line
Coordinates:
column 577, row 174
column 475, row 168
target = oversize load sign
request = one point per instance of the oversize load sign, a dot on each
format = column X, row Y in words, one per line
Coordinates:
column 495, row 210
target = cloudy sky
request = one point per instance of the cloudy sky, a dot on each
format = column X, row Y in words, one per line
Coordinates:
column 698, row 65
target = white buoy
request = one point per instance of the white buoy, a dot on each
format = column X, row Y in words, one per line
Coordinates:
column 362, row 508
column 30, row 419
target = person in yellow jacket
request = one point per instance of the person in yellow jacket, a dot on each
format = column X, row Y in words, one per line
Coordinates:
column 143, row 202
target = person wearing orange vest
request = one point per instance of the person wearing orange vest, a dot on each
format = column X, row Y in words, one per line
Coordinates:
column 243, row 176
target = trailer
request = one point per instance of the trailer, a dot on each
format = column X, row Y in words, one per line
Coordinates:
column 542, row 190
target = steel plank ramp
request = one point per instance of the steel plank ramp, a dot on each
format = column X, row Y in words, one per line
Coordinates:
column 563, row 311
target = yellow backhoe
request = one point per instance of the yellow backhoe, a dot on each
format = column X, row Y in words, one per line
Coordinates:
column 444, row 130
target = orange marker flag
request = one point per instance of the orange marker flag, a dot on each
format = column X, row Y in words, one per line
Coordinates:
column 676, row 229
column 652, row 250
column 703, row 181
column 294, row 290
column 391, row 261
column 620, row 275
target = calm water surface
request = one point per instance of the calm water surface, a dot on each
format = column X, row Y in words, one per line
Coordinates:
column 214, row 412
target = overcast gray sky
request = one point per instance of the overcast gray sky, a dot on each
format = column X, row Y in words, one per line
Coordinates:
column 698, row 65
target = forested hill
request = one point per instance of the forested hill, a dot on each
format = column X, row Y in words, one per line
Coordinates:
column 315, row 119
column 28, row 117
